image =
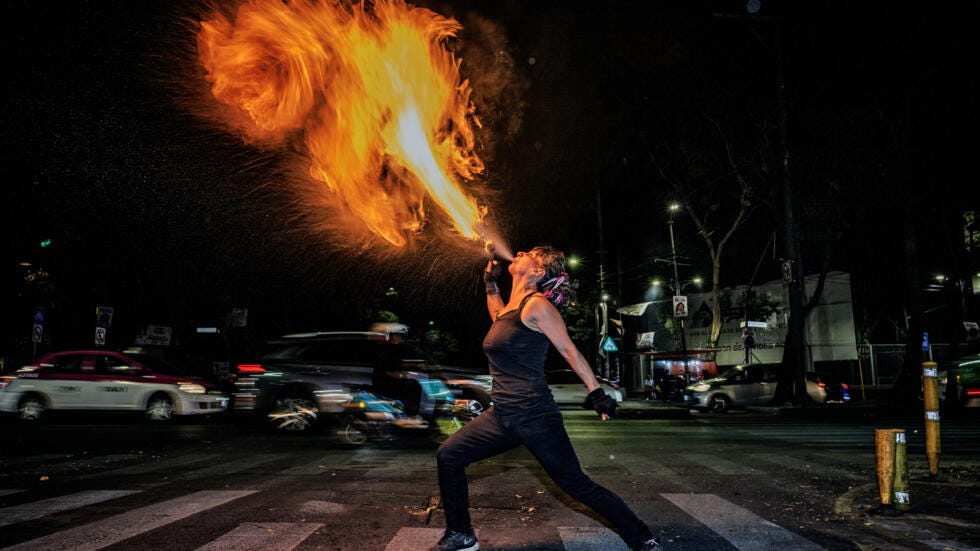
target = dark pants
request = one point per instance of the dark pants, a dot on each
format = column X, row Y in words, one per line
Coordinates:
column 544, row 435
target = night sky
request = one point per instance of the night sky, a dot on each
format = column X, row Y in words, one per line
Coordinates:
column 172, row 221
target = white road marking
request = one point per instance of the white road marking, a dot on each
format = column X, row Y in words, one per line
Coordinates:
column 718, row 464
column 231, row 467
column 155, row 466
column 111, row 530
column 45, row 507
column 741, row 527
column 585, row 538
column 7, row 492
column 416, row 539
column 263, row 536
column 806, row 466
column 320, row 466
column 921, row 535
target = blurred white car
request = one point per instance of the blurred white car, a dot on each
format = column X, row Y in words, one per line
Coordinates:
column 568, row 389
column 102, row 380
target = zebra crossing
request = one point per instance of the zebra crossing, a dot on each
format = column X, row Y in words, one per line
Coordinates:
column 742, row 528
column 719, row 519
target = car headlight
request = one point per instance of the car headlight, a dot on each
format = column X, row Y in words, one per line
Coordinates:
column 190, row 388
column 699, row 387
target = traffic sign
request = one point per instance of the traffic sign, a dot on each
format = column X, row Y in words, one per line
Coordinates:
column 37, row 333
column 100, row 336
column 38, row 315
column 609, row 346
column 925, row 341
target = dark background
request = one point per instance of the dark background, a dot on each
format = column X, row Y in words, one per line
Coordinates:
column 172, row 221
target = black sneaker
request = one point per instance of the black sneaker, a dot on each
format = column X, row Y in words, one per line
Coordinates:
column 456, row 541
column 652, row 544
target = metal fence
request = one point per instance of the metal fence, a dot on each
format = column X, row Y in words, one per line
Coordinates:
column 875, row 369
column 879, row 364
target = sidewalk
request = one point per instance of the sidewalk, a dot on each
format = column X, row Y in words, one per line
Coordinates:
column 943, row 510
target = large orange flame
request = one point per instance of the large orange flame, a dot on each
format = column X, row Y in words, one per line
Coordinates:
column 376, row 96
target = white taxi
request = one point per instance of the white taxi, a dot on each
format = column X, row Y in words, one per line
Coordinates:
column 103, row 380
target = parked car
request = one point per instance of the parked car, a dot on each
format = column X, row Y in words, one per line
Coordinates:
column 959, row 383
column 302, row 378
column 102, row 380
column 568, row 389
column 755, row 385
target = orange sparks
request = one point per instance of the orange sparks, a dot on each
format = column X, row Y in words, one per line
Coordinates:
column 374, row 94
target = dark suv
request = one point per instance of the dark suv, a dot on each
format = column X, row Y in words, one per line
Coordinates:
column 305, row 378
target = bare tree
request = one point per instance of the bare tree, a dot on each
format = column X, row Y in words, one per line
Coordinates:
column 704, row 183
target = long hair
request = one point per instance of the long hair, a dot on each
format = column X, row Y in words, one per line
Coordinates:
column 556, row 284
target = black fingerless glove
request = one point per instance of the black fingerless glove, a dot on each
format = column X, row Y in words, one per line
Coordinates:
column 491, row 275
column 602, row 403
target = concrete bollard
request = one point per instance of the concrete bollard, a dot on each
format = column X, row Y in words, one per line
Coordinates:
column 930, row 401
column 891, row 468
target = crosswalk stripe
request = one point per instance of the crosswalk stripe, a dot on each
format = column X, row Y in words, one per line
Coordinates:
column 156, row 466
column 232, row 467
column 320, row 466
column 111, row 530
column 417, row 539
column 922, row 535
column 412, row 464
column 263, row 536
column 718, row 464
column 741, row 527
column 45, row 507
column 806, row 466
column 586, row 538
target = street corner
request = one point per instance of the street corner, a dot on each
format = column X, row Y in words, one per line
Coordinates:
column 942, row 511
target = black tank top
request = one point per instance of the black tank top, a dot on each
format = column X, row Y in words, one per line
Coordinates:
column 517, row 354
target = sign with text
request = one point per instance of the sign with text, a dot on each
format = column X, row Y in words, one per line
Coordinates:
column 103, row 316
column 680, row 306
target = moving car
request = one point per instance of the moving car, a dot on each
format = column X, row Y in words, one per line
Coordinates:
column 297, row 381
column 754, row 385
column 568, row 389
column 102, row 380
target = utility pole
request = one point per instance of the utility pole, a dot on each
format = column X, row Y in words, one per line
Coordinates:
column 794, row 355
column 678, row 291
column 603, row 313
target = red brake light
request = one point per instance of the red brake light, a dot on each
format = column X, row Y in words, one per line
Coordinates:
column 4, row 381
column 251, row 368
column 843, row 386
column 821, row 384
column 973, row 392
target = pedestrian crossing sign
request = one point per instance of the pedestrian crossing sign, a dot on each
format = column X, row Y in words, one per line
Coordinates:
column 609, row 346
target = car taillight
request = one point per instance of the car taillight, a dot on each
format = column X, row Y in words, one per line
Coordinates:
column 973, row 392
column 822, row 384
column 843, row 386
column 255, row 369
column 4, row 381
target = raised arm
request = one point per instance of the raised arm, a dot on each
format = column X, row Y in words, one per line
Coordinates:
column 490, row 277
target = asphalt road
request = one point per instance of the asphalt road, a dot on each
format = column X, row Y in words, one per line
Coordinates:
column 733, row 481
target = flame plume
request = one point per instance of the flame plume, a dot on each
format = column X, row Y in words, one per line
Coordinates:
column 373, row 94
